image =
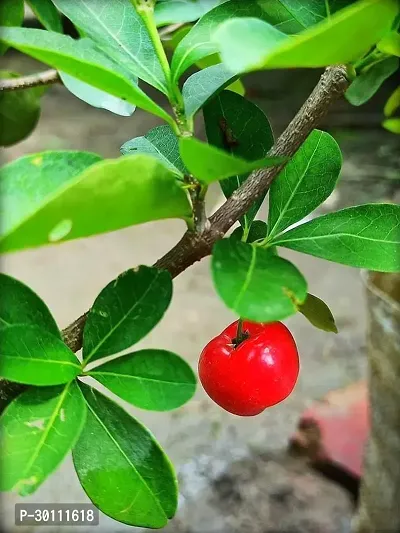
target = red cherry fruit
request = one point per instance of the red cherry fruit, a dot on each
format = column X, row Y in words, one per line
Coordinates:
column 258, row 373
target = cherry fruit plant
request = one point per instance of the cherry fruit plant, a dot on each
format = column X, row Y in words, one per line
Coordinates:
column 54, row 196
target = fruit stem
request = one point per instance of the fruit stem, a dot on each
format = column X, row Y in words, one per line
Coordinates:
column 240, row 334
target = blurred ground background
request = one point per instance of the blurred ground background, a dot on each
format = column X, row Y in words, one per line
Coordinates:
column 234, row 473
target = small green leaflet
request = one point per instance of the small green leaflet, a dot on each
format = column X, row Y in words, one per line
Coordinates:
column 122, row 468
column 209, row 164
column 81, row 59
column 318, row 314
column 20, row 305
column 392, row 124
column 95, row 97
column 364, row 236
column 199, row 42
column 120, row 32
column 11, row 14
column 47, row 14
column 393, row 103
column 19, row 112
column 254, row 283
column 160, row 142
column 125, row 311
column 38, row 429
column 180, row 11
column 354, row 30
column 150, row 379
column 305, row 182
column 390, row 44
column 202, row 85
column 67, row 207
column 368, row 82
column 239, row 127
column 31, row 355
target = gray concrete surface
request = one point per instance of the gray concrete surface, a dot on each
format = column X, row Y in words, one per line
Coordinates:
column 202, row 440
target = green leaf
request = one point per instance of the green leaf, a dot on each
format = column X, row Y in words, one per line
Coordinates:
column 254, row 283
column 199, row 43
column 39, row 428
column 393, row 103
column 390, row 44
column 318, row 314
column 180, row 11
column 81, row 59
column 256, row 232
column 150, row 379
column 120, row 32
column 364, row 236
column 305, row 182
column 126, row 191
column 368, row 82
column 242, row 129
column 354, row 30
column 125, row 311
column 202, row 85
column 19, row 112
column 11, row 14
column 31, row 355
column 95, row 97
column 160, row 142
column 20, row 305
column 209, row 164
column 392, row 124
column 47, row 14
column 122, row 468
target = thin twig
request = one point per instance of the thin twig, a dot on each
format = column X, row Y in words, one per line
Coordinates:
column 48, row 77
column 194, row 246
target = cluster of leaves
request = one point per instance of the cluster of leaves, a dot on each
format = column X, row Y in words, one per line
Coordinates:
column 52, row 197
column 112, row 452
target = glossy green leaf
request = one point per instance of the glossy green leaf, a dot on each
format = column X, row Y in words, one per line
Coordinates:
column 311, row 12
column 392, row 124
column 318, row 314
column 120, row 32
column 390, row 44
column 209, row 164
column 126, row 191
column 160, row 142
column 256, row 232
column 125, row 311
column 38, row 429
column 47, row 14
column 353, row 30
column 305, row 182
column 393, row 103
column 28, row 185
column 122, row 468
column 150, row 379
column 202, row 85
column 31, row 355
column 11, row 14
column 242, row 129
column 254, row 283
column 364, row 236
column 95, row 97
column 368, row 82
column 81, row 59
column 19, row 112
column 20, row 305
column 199, row 42
column 180, row 11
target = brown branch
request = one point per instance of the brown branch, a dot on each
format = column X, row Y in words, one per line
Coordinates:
column 194, row 246
column 47, row 77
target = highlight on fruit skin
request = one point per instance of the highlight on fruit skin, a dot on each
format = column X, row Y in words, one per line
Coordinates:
column 247, row 377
